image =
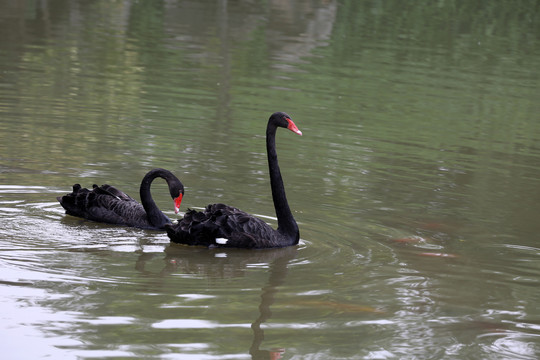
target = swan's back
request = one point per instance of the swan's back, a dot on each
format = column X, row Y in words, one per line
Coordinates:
column 220, row 225
column 105, row 204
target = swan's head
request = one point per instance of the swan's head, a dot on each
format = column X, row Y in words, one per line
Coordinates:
column 283, row 120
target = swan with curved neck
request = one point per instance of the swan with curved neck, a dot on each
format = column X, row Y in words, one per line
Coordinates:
column 109, row 205
column 221, row 225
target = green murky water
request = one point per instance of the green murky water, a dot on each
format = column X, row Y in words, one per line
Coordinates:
column 415, row 185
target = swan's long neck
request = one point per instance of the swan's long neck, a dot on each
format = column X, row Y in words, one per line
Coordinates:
column 154, row 215
column 286, row 223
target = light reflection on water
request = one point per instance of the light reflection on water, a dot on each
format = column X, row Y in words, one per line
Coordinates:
column 394, row 289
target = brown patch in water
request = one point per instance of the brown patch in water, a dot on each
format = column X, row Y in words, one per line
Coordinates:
column 338, row 306
column 443, row 255
column 408, row 240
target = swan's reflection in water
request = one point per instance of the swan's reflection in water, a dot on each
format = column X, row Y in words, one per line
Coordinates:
column 229, row 264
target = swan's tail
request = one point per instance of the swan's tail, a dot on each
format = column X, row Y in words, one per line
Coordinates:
column 76, row 202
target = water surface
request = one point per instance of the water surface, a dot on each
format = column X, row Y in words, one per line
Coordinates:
column 415, row 184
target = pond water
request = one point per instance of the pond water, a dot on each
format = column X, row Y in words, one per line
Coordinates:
column 416, row 184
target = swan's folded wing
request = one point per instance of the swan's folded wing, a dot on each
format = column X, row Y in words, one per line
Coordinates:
column 117, row 211
column 223, row 226
column 106, row 189
column 239, row 228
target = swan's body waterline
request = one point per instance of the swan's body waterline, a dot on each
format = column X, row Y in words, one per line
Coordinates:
column 220, row 225
column 109, row 205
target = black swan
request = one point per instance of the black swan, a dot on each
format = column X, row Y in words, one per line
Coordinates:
column 108, row 204
column 221, row 225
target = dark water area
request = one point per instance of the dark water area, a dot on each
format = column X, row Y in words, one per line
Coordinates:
column 415, row 184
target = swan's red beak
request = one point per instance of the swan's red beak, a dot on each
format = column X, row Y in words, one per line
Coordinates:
column 177, row 202
column 293, row 127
